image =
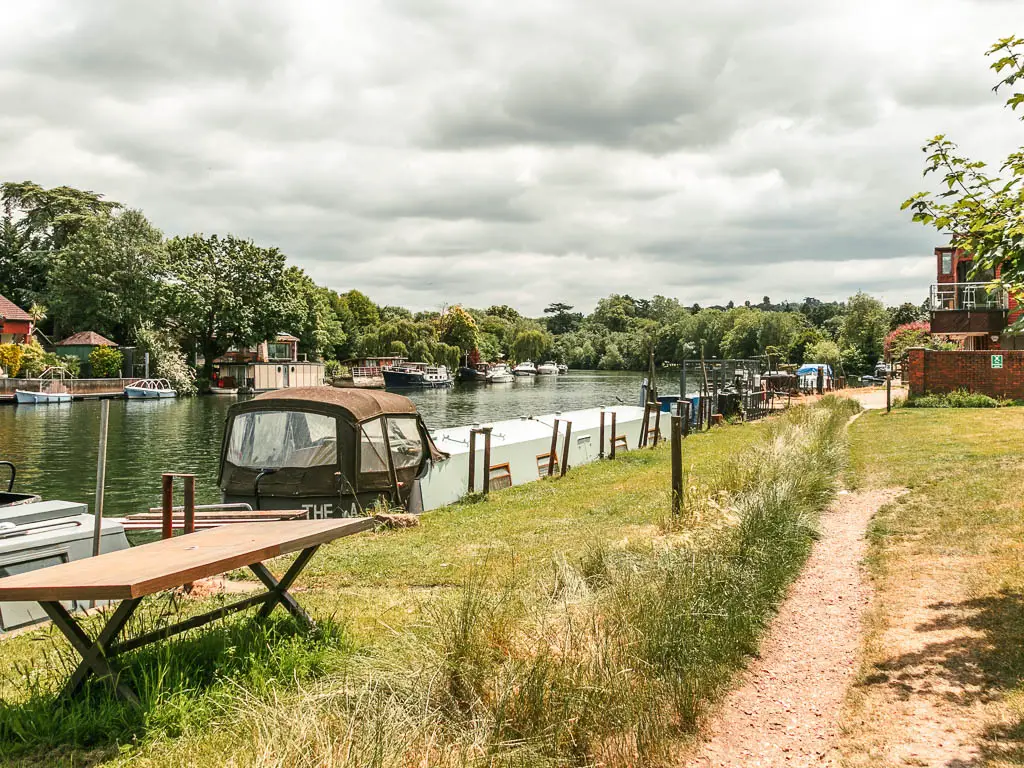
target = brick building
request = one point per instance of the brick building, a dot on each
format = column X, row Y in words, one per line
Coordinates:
column 972, row 312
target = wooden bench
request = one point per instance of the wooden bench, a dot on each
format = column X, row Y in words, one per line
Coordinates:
column 129, row 575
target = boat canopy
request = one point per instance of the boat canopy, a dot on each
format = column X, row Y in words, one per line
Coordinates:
column 324, row 442
column 811, row 369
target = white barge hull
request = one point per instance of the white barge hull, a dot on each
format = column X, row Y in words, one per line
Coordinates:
column 520, row 449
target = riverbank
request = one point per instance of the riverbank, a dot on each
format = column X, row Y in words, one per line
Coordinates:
column 551, row 623
column 942, row 661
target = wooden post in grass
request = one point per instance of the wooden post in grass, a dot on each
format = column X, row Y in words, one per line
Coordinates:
column 657, row 423
column 611, row 455
column 487, row 459
column 688, row 405
column 472, row 461
column 677, row 465
column 167, row 506
column 888, row 392
column 600, row 437
column 565, row 448
column 190, row 504
column 554, row 447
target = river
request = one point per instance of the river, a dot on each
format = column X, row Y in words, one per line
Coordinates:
column 54, row 446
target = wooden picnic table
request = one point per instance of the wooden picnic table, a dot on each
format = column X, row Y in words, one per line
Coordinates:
column 129, row 575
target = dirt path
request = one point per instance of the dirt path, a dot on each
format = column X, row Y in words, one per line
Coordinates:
column 786, row 712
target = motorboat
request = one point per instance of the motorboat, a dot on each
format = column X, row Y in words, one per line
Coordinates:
column 332, row 452
column 470, row 374
column 499, row 373
column 52, row 389
column 417, row 376
column 547, row 369
column 150, row 389
column 9, row 498
column 563, row 368
column 525, row 369
column 45, row 533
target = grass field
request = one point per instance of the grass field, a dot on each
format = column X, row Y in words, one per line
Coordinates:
column 566, row 622
column 944, row 656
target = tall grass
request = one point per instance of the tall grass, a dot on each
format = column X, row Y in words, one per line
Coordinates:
column 611, row 660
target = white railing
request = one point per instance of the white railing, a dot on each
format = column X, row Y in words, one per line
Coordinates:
column 981, row 297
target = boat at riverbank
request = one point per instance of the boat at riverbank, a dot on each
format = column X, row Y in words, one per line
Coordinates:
column 499, row 373
column 549, row 368
column 52, row 389
column 417, row 376
column 525, row 369
column 150, row 389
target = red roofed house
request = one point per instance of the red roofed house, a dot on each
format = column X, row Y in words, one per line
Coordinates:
column 15, row 323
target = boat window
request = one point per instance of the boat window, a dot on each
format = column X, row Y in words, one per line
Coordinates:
column 406, row 443
column 277, row 439
column 373, row 461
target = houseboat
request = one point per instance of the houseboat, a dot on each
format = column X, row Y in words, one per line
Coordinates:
column 270, row 365
column 417, row 376
column 473, row 374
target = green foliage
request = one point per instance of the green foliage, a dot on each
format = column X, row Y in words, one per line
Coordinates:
column 980, row 209
column 457, row 328
column 309, row 314
column 106, row 362
column 529, row 344
column 961, row 398
column 36, row 224
column 33, row 360
column 10, row 358
column 167, row 361
column 824, row 351
column 863, row 331
column 225, row 292
column 109, row 276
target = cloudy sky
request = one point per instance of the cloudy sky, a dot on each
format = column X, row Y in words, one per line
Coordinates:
column 480, row 152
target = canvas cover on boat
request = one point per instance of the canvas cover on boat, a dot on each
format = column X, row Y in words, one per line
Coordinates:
column 307, row 437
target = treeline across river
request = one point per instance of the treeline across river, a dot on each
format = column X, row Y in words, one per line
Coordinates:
column 80, row 262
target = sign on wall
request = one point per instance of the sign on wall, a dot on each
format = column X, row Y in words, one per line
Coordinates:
column 997, row 361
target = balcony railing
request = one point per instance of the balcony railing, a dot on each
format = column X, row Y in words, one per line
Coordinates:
column 968, row 297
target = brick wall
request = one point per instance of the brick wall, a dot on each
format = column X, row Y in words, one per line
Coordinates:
column 939, row 372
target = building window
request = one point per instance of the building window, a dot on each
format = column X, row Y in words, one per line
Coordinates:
column 279, row 351
column 947, row 263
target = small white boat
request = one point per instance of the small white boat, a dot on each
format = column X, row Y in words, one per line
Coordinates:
column 498, row 374
column 563, row 368
column 547, row 369
column 149, row 389
column 26, row 397
column 55, row 390
column 525, row 369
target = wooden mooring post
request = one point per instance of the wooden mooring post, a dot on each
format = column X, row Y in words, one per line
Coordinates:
column 657, row 423
column 688, row 405
column 167, row 505
column 600, row 436
column 677, row 465
column 565, row 448
column 552, row 455
column 611, row 454
column 486, row 432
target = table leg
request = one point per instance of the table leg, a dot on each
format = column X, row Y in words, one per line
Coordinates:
column 278, row 590
column 93, row 653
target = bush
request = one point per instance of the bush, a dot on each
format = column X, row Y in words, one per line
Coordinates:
column 106, row 362
column 168, row 361
column 33, row 359
column 10, row 358
column 961, row 398
column 332, row 368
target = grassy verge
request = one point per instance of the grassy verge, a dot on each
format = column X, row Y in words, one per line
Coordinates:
column 563, row 623
column 944, row 653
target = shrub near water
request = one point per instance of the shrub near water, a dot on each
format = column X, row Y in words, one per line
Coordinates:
column 610, row 661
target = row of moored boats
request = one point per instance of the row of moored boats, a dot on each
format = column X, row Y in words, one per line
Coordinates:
column 408, row 375
column 55, row 391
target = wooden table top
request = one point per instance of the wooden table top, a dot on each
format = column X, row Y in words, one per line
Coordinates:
column 149, row 568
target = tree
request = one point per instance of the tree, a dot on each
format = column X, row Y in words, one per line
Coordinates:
column 562, row 319
column 906, row 313
column 10, row 359
column 109, row 276
column 37, row 223
column 614, row 312
column 166, row 359
column 224, row 293
column 824, row 351
column 864, row 327
column 910, row 335
column 981, row 211
column 529, row 344
column 741, row 341
column 106, row 362
column 504, row 311
column 457, row 328
column 310, row 316
column 364, row 312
